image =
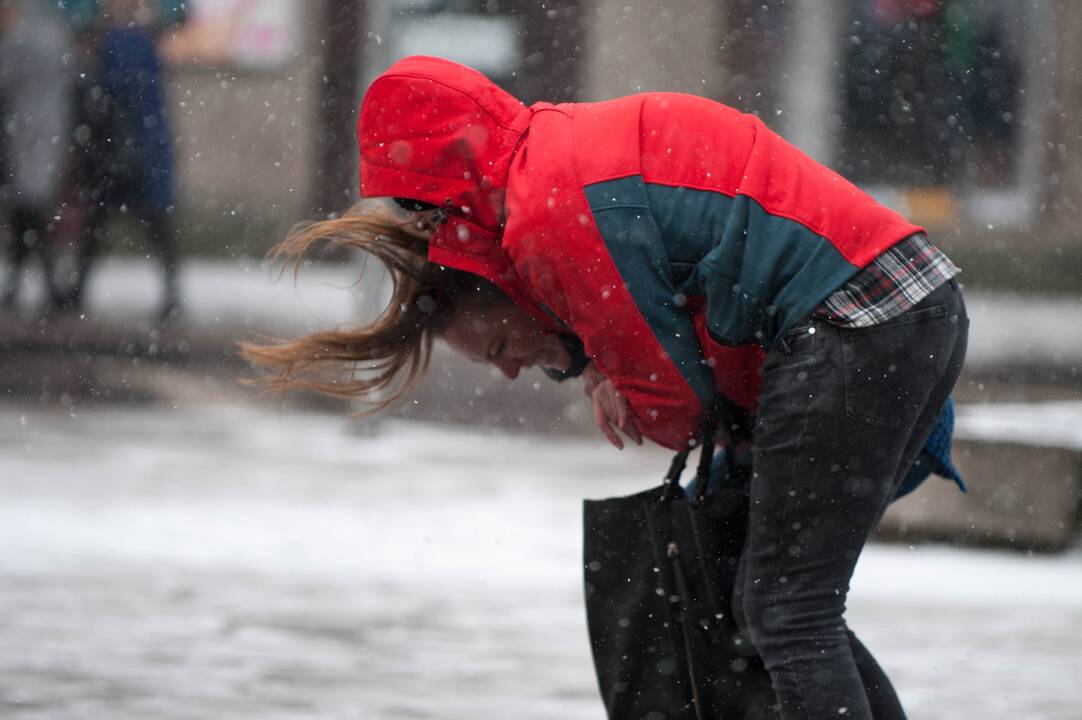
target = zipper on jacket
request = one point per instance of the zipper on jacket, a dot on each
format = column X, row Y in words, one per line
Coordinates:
column 673, row 552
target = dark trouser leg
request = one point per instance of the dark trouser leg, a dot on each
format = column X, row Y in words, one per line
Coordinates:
column 882, row 699
column 841, row 413
column 28, row 225
column 877, row 686
column 89, row 246
column 160, row 232
column 16, row 256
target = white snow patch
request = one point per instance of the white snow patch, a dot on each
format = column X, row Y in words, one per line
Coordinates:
column 233, row 563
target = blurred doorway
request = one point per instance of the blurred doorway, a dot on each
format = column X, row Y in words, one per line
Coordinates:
column 941, row 106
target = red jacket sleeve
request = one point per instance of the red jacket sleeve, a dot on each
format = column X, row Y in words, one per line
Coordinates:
column 650, row 351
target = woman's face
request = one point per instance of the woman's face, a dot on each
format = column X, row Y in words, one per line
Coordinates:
column 424, row 222
column 502, row 334
column 420, row 224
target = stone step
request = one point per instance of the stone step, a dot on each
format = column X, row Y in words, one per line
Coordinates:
column 1023, row 466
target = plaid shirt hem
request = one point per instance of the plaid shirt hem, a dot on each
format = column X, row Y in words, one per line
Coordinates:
column 894, row 282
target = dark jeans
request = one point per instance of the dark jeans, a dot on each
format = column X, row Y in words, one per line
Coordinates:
column 28, row 226
column 842, row 416
column 158, row 228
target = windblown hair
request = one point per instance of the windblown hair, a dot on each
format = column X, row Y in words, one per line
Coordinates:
column 379, row 363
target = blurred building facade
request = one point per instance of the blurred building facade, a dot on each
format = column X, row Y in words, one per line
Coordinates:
column 961, row 113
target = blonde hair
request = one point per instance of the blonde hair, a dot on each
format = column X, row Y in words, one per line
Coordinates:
column 380, row 362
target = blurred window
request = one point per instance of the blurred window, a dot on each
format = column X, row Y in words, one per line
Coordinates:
column 251, row 34
column 483, row 34
column 933, row 92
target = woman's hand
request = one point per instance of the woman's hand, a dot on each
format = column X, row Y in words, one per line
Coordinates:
column 591, row 378
column 610, row 407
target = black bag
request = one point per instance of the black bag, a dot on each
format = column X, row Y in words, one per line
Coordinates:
column 660, row 569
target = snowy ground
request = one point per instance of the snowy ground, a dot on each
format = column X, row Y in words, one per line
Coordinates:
column 227, row 562
column 1047, row 424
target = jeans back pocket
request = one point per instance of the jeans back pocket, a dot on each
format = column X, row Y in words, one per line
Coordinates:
column 888, row 367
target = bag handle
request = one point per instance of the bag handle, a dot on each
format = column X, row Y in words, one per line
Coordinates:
column 723, row 408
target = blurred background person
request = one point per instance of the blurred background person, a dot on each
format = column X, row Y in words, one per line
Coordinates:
column 126, row 158
column 35, row 96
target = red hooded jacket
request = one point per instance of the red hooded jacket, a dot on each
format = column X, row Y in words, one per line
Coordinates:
column 677, row 237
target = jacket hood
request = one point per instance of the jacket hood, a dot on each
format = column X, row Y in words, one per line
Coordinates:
column 433, row 130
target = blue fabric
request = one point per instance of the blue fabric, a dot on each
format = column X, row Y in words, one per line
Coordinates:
column 623, row 216
column 83, row 14
column 779, row 281
column 760, row 273
column 131, row 74
column 934, row 457
column 719, row 471
column 691, row 221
